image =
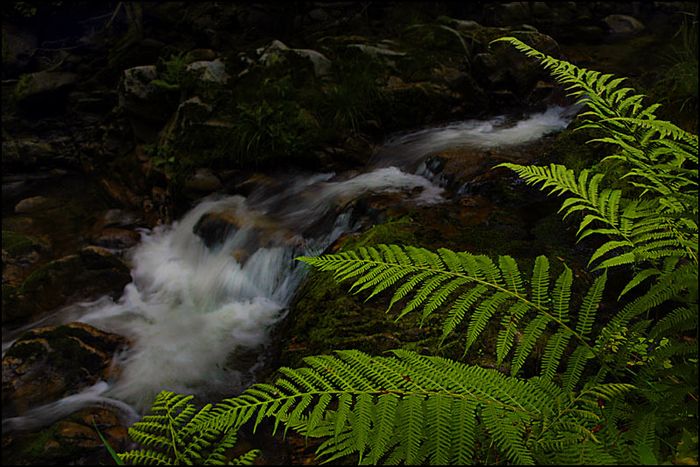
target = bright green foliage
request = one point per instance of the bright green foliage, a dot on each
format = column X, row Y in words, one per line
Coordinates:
column 613, row 387
column 171, row 435
column 264, row 130
column 402, row 408
column 652, row 223
column 173, row 72
column 473, row 283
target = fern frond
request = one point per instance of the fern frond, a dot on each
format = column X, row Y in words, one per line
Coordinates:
column 402, row 395
column 474, row 285
column 171, row 434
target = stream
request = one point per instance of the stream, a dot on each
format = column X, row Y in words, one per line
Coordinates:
column 193, row 307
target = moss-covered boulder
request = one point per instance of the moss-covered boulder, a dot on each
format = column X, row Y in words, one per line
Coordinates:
column 43, row 92
column 46, row 364
column 70, row 441
column 91, row 273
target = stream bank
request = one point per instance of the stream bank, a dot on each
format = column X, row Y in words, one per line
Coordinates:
column 139, row 124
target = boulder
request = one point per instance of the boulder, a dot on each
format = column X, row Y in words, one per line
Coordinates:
column 72, row 440
column 214, row 227
column 204, row 181
column 143, row 99
column 213, row 71
column 48, row 363
column 416, row 103
column 18, row 48
column 274, row 52
column 44, row 92
column 35, row 204
column 503, row 68
column 115, row 238
column 623, row 25
column 117, row 218
column 91, row 273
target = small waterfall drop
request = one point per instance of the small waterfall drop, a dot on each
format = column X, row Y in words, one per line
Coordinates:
column 191, row 308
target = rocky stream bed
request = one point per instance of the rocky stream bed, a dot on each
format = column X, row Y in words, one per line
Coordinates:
column 164, row 163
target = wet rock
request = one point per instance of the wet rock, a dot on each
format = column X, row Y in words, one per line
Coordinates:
column 277, row 49
column 69, row 441
column 198, row 55
column 95, row 102
column 260, row 231
column 203, row 181
column 46, row 364
column 44, row 92
column 214, row 227
column 116, row 239
column 416, row 103
column 623, row 25
column 91, row 273
column 35, row 204
column 18, row 48
column 33, row 154
column 117, row 218
column 381, row 52
column 504, row 68
column 143, row 99
column 120, row 193
column 211, row 71
column 19, row 254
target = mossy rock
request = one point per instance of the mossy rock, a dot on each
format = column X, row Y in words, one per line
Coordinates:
column 72, row 440
column 325, row 316
column 48, row 363
column 17, row 244
column 89, row 274
column 411, row 105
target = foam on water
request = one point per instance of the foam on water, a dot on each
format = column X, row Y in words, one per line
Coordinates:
column 408, row 150
column 190, row 309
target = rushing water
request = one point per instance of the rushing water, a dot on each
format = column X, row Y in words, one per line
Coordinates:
column 190, row 309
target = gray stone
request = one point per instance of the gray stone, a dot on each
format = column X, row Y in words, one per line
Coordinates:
column 136, row 81
column 48, row 363
column 212, row 71
column 272, row 53
column 623, row 25
column 141, row 98
column 203, row 180
column 35, row 204
column 115, row 238
column 17, row 50
column 39, row 87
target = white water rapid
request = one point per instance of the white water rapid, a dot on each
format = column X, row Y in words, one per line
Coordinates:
column 191, row 309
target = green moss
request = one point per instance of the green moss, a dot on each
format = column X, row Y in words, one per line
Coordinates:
column 399, row 231
column 38, row 278
column 22, row 86
column 29, row 449
column 24, row 350
column 17, row 244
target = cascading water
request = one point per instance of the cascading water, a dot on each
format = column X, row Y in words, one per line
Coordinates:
column 191, row 306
